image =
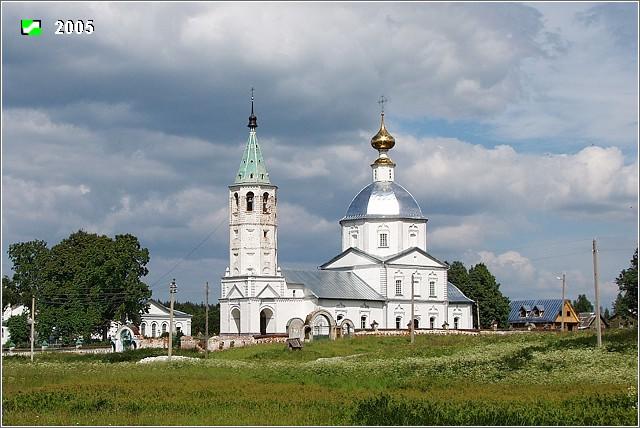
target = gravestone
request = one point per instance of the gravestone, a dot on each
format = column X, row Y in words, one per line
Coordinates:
column 296, row 329
column 294, row 343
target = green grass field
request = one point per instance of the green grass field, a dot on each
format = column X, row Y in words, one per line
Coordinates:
column 528, row 379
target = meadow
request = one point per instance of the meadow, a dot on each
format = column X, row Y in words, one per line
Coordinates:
column 523, row 379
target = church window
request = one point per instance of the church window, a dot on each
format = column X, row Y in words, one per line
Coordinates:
column 455, row 323
column 398, row 287
column 384, row 243
column 339, row 317
column 237, row 199
column 250, row 201
column 432, row 322
column 143, row 329
column 398, row 323
column 264, row 234
column 294, row 293
column 153, row 329
column 375, row 174
column 416, row 285
column 363, row 321
column 251, row 175
column 390, row 177
column 432, row 289
column 265, row 200
column 164, row 328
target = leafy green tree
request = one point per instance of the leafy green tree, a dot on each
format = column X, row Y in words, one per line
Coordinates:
column 82, row 283
column 29, row 260
column 483, row 288
column 458, row 275
column 606, row 314
column 19, row 329
column 10, row 296
column 582, row 304
column 627, row 300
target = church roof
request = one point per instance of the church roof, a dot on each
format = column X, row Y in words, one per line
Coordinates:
column 252, row 168
column 383, row 199
column 326, row 284
column 455, row 295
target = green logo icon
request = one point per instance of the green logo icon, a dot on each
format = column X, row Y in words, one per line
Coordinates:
column 31, row 27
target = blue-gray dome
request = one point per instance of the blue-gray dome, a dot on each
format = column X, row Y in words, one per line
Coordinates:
column 383, row 199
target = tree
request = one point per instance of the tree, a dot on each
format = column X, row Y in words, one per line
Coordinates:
column 482, row 287
column 29, row 260
column 582, row 304
column 606, row 314
column 82, row 283
column 10, row 296
column 19, row 329
column 627, row 301
column 458, row 275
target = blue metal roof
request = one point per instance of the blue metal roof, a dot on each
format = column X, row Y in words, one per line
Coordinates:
column 329, row 284
column 455, row 295
column 551, row 308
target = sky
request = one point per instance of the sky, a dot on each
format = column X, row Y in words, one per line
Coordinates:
column 516, row 128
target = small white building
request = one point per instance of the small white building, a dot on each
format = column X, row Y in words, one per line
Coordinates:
column 7, row 313
column 156, row 321
column 384, row 253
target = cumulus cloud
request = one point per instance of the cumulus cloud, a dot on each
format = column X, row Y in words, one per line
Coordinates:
column 117, row 133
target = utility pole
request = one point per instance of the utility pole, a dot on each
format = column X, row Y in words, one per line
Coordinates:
column 413, row 333
column 478, row 312
column 564, row 279
column 206, row 321
column 172, row 292
column 33, row 324
column 595, row 282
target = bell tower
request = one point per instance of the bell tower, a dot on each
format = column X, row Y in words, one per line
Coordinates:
column 252, row 214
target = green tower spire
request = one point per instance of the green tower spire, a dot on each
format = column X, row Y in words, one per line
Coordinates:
column 252, row 168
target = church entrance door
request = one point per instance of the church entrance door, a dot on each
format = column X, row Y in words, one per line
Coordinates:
column 265, row 321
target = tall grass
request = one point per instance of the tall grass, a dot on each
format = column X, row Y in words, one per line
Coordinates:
column 529, row 379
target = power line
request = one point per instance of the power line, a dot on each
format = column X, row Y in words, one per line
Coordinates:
column 193, row 250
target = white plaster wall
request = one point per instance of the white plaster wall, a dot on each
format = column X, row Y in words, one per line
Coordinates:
column 465, row 314
column 354, row 310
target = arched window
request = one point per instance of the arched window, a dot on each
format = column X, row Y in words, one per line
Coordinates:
column 339, row 317
column 413, row 235
column 363, row 321
column 164, row 327
column 237, row 200
column 455, row 323
column 383, row 237
column 250, row 201
column 143, row 329
column 398, row 323
column 353, row 234
column 154, row 328
column 432, row 323
column 265, row 200
column 432, row 288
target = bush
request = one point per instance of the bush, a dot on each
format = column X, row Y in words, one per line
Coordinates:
column 19, row 329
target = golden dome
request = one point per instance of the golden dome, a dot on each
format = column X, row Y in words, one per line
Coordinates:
column 383, row 140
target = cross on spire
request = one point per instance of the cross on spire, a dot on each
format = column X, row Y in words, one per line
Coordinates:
column 382, row 100
column 252, row 93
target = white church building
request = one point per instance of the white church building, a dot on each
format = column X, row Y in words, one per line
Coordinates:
column 367, row 285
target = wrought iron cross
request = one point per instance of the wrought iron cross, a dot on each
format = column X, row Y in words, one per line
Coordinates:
column 252, row 93
column 382, row 100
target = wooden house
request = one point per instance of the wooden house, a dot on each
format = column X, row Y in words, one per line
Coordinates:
column 543, row 314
